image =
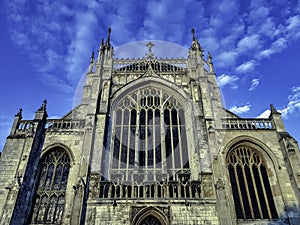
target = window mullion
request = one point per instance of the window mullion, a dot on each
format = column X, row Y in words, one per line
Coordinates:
column 154, row 140
column 256, row 193
column 163, row 134
column 179, row 140
column 264, row 191
column 172, row 144
column 112, row 145
column 247, row 191
column 146, row 139
column 137, row 126
column 128, row 143
column 121, row 140
column 239, row 190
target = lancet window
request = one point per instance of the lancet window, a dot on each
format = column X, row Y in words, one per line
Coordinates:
column 250, row 184
column 52, row 180
column 149, row 135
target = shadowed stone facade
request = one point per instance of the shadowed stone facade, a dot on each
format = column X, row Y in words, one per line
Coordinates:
column 150, row 143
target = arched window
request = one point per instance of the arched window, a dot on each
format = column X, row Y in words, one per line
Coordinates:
column 148, row 134
column 49, row 199
column 150, row 220
column 250, row 184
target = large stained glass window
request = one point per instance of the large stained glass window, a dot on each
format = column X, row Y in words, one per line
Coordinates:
column 149, row 135
column 52, row 180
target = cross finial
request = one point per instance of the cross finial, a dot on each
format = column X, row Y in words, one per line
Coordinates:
column 150, row 45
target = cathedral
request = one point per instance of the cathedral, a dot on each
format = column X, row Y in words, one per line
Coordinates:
column 150, row 144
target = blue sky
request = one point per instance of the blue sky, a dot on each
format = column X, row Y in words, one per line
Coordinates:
column 45, row 48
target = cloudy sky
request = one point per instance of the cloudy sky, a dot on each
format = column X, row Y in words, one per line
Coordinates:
column 45, row 48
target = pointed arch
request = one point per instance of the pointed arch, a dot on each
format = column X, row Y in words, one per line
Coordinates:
column 249, row 170
column 152, row 214
column 51, row 184
column 68, row 151
column 148, row 131
column 256, row 143
column 154, row 82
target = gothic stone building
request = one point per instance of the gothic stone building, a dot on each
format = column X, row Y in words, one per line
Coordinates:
column 150, row 144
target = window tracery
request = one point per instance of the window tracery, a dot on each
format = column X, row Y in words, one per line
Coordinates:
column 149, row 135
column 250, row 184
column 50, row 194
column 150, row 220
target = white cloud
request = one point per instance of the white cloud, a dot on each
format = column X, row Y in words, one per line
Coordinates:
column 277, row 46
column 78, row 50
column 293, row 27
column 246, row 67
column 293, row 103
column 230, row 80
column 293, row 23
column 254, row 84
column 264, row 114
column 240, row 109
column 248, row 43
column 226, row 59
column 267, row 28
column 60, row 36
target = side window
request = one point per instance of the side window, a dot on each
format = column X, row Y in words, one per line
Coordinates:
column 49, row 199
column 250, row 184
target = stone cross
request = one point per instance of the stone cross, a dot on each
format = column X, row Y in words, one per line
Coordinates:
column 150, row 45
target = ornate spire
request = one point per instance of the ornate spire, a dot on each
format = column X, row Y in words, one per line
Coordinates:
column 195, row 43
column 41, row 113
column 102, row 47
column 92, row 58
column 91, row 62
column 19, row 114
column 193, row 34
column 107, row 43
column 210, row 64
column 44, row 106
column 273, row 110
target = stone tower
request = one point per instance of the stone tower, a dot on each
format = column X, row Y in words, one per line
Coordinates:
column 150, row 143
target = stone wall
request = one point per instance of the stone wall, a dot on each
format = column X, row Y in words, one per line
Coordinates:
column 174, row 213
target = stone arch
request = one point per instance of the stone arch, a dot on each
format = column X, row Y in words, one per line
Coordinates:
column 170, row 109
column 152, row 82
column 260, row 173
column 259, row 145
column 149, row 212
column 63, row 146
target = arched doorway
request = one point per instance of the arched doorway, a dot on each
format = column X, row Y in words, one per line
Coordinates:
column 150, row 220
column 150, row 216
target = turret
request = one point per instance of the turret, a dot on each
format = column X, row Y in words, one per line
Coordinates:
column 107, row 43
column 210, row 64
column 91, row 62
column 276, row 118
column 196, row 47
column 17, row 119
column 41, row 113
column 195, row 58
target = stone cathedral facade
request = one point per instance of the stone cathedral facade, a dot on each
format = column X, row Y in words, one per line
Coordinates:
column 149, row 144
